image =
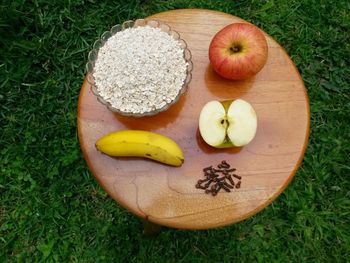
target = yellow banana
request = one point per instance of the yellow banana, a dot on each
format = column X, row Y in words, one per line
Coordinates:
column 141, row 144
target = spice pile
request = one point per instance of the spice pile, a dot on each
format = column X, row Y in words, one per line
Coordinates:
column 140, row 70
column 219, row 178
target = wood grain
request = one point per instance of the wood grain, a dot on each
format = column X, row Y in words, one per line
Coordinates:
column 167, row 195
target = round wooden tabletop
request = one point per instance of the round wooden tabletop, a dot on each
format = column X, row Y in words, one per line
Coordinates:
column 167, row 195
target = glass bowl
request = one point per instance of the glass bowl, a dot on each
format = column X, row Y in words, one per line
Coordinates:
column 93, row 55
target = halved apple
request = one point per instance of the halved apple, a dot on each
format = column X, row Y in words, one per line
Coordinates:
column 227, row 123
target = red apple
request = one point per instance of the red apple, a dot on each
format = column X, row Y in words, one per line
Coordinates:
column 238, row 51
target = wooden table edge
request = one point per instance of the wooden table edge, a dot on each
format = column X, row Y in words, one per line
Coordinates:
column 221, row 224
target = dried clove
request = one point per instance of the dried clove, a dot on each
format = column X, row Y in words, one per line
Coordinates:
column 208, row 183
column 227, row 185
column 200, row 186
column 205, row 170
column 202, row 181
column 225, row 164
column 218, row 178
column 230, row 179
column 237, row 176
column 226, row 188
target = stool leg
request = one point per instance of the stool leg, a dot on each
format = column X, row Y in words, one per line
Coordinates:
column 150, row 229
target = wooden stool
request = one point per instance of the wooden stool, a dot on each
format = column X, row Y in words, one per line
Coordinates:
column 166, row 195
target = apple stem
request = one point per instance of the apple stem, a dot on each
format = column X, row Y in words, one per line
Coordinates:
column 235, row 48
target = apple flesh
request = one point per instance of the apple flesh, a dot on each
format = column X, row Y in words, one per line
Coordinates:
column 238, row 51
column 228, row 123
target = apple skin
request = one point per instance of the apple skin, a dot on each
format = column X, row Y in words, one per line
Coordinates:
column 238, row 51
column 226, row 124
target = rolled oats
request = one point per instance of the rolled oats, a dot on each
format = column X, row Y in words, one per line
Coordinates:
column 140, row 69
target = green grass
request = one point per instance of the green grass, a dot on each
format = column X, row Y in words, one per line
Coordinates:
column 52, row 209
